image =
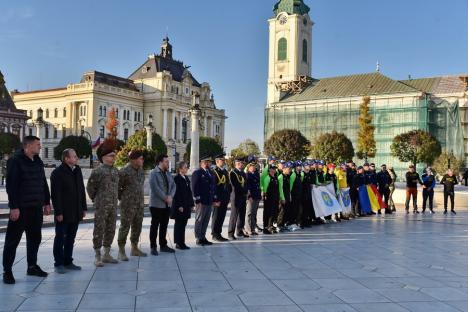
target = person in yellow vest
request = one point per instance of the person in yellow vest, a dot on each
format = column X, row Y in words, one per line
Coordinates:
column 341, row 175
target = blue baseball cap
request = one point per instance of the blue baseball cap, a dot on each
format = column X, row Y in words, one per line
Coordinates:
column 271, row 158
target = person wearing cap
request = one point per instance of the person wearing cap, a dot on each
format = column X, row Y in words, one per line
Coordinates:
column 393, row 176
column 412, row 181
column 429, row 182
column 359, row 180
column 239, row 201
column 254, row 196
column 351, row 171
column 320, row 172
column 132, row 204
column 307, row 210
column 203, row 187
column 341, row 175
column 296, row 184
column 449, row 180
column 222, row 196
column 103, row 189
column 284, row 210
column 162, row 191
column 383, row 181
column 272, row 191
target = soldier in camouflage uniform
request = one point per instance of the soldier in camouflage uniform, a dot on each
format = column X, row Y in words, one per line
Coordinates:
column 131, row 196
column 102, row 188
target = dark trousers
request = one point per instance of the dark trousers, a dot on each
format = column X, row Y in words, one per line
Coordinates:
column 64, row 241
column 270, row 210
column 237, row 218
column 30, row 221
column 283, row 213
column 179, row 231
column 159, row 222
column 217, row 219
column 385, row 192
column 428, row 195
column 295, row 215
column 452, row 200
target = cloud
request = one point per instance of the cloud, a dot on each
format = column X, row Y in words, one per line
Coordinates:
column 15, row 14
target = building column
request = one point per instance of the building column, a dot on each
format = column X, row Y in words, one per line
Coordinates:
column 173, row 130
column 39, row 131
column 180, row 125
column 164, row 130
column 206, row 125
column 195, row 140
column 149, row 137
column 212, row 128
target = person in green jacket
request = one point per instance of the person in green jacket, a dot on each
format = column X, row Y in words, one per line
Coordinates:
column 284, row 210
column 296, row 187
column 272, row 193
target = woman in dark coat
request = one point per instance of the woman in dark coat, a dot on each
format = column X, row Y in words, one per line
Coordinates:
column 182, row 205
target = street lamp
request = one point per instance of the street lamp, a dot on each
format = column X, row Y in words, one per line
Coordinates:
column 87, row 135
column 195, row 113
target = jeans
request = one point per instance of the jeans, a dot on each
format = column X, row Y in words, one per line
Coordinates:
column 159, row 223
column 428, row 195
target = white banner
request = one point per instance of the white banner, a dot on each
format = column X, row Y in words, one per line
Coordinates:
column 345, row 200
column 325, row 201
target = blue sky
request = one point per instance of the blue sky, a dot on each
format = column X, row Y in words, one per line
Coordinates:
column 46, row 44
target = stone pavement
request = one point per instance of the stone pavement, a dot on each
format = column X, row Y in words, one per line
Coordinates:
column 377, row 264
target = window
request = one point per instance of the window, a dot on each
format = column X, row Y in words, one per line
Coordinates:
column 125, row 135
column 56, row 112
column 46, row 132
column 46, row 152
column 82, row 130
column 105, row 111
column 30, row 131
column 101, row 132
column 55, row 133
column 135, row 115
column 64, row 132
column 116, row 113
column 184, row 130
column 282, row 49
column 64, row 112
column 186, row 90
column 304, row 51
column 47, row 113
column 100, row 110
column 176, row 122
column 139, row 116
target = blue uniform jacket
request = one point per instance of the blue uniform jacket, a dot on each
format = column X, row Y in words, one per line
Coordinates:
column 203, row 186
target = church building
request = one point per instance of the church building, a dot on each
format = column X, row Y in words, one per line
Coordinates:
column 298, row 100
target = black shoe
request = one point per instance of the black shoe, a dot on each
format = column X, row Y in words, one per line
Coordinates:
column 207, row 242
column 154, row 251
column 243, row 234
column 453, row 212
column 182, row 247
column 36, row 271
column 166, row 249
column 72, row 267
column 253, row 233
column 8, row 278
column 258, row 228
column 424, row 211
column 200, row 242
column 415, row 211
column 265, row 231
column 220, row 239
column 232, row 237
column 445, row 212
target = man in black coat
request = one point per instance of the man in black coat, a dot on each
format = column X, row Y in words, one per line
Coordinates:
column 28, row 199
column 239, row 202
column 69, row 201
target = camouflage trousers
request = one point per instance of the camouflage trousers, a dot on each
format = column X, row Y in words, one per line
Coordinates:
column 104, row 227
column 130, row 218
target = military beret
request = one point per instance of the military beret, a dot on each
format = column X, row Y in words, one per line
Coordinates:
column 135, row 154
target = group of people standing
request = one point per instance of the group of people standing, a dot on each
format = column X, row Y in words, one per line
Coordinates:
column 283, row 186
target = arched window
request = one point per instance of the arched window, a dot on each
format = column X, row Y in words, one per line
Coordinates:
column 304, row 50
column 282, row 49
column 100, row 110
column 56, row 113
column 47, row 113
column 64, row 112
column 184, row 130
column 105, row 111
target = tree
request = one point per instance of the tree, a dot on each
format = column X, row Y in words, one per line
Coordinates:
column 288, row 144
column 248, row 147
column 80, row 144
column 9, row 142
column 208, row 147
column 366, row 147
column 416, row 146
column 138, row 142
column 441, row 164
column 333, row 148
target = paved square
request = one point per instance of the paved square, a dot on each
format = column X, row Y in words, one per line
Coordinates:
column 378, row 264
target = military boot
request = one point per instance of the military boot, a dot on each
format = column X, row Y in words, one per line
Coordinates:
column 122, row 256
column 97, row 258
column 107, row 258
column 136, row 252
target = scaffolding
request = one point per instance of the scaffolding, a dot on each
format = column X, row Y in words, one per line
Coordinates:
column 392, row 117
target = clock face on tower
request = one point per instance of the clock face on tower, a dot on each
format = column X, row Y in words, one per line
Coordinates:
column 283, row 19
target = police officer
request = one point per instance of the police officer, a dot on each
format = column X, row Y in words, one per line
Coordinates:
column 221, row 198
column 102, row 188
column 203, row 186
column 254, row 195
column 238, row 204
column 131, row 195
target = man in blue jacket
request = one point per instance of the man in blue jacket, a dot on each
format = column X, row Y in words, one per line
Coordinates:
column 28, row 199
column 429, row 182
column 203, row 186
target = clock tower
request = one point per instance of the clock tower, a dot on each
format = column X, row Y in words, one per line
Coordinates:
column 290, row 47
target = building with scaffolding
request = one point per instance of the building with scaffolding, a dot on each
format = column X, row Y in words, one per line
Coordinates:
column 316, row 106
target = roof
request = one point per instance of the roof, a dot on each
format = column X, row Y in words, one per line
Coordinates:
column 438, row 85
column 156, row 64
column 350, row 86
column 6, row 102
column 107, row 79
column 291, row 7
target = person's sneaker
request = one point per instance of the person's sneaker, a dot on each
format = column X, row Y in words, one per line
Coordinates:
column 36, row 271
column 73, row 267
column 60, row 269
column 431, row 212
column 154, row 252
column 8, row 278
column 166, row 249
column 453, row 212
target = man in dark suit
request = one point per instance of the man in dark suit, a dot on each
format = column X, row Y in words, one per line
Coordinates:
column 69, row 201
column 221, row 198
column 203, row 185
column 239, row 202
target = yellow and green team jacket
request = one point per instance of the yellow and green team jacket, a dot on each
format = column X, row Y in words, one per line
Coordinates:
column 341, row 175
column 265, row 182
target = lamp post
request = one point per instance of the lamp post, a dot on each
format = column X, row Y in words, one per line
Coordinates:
column 87, row 135
column 195, row 113
column 149, row 132
column 39, row 123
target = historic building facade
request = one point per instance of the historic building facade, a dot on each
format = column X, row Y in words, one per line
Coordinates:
column 162, row 88
column 316, row 106
column 12, row 119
